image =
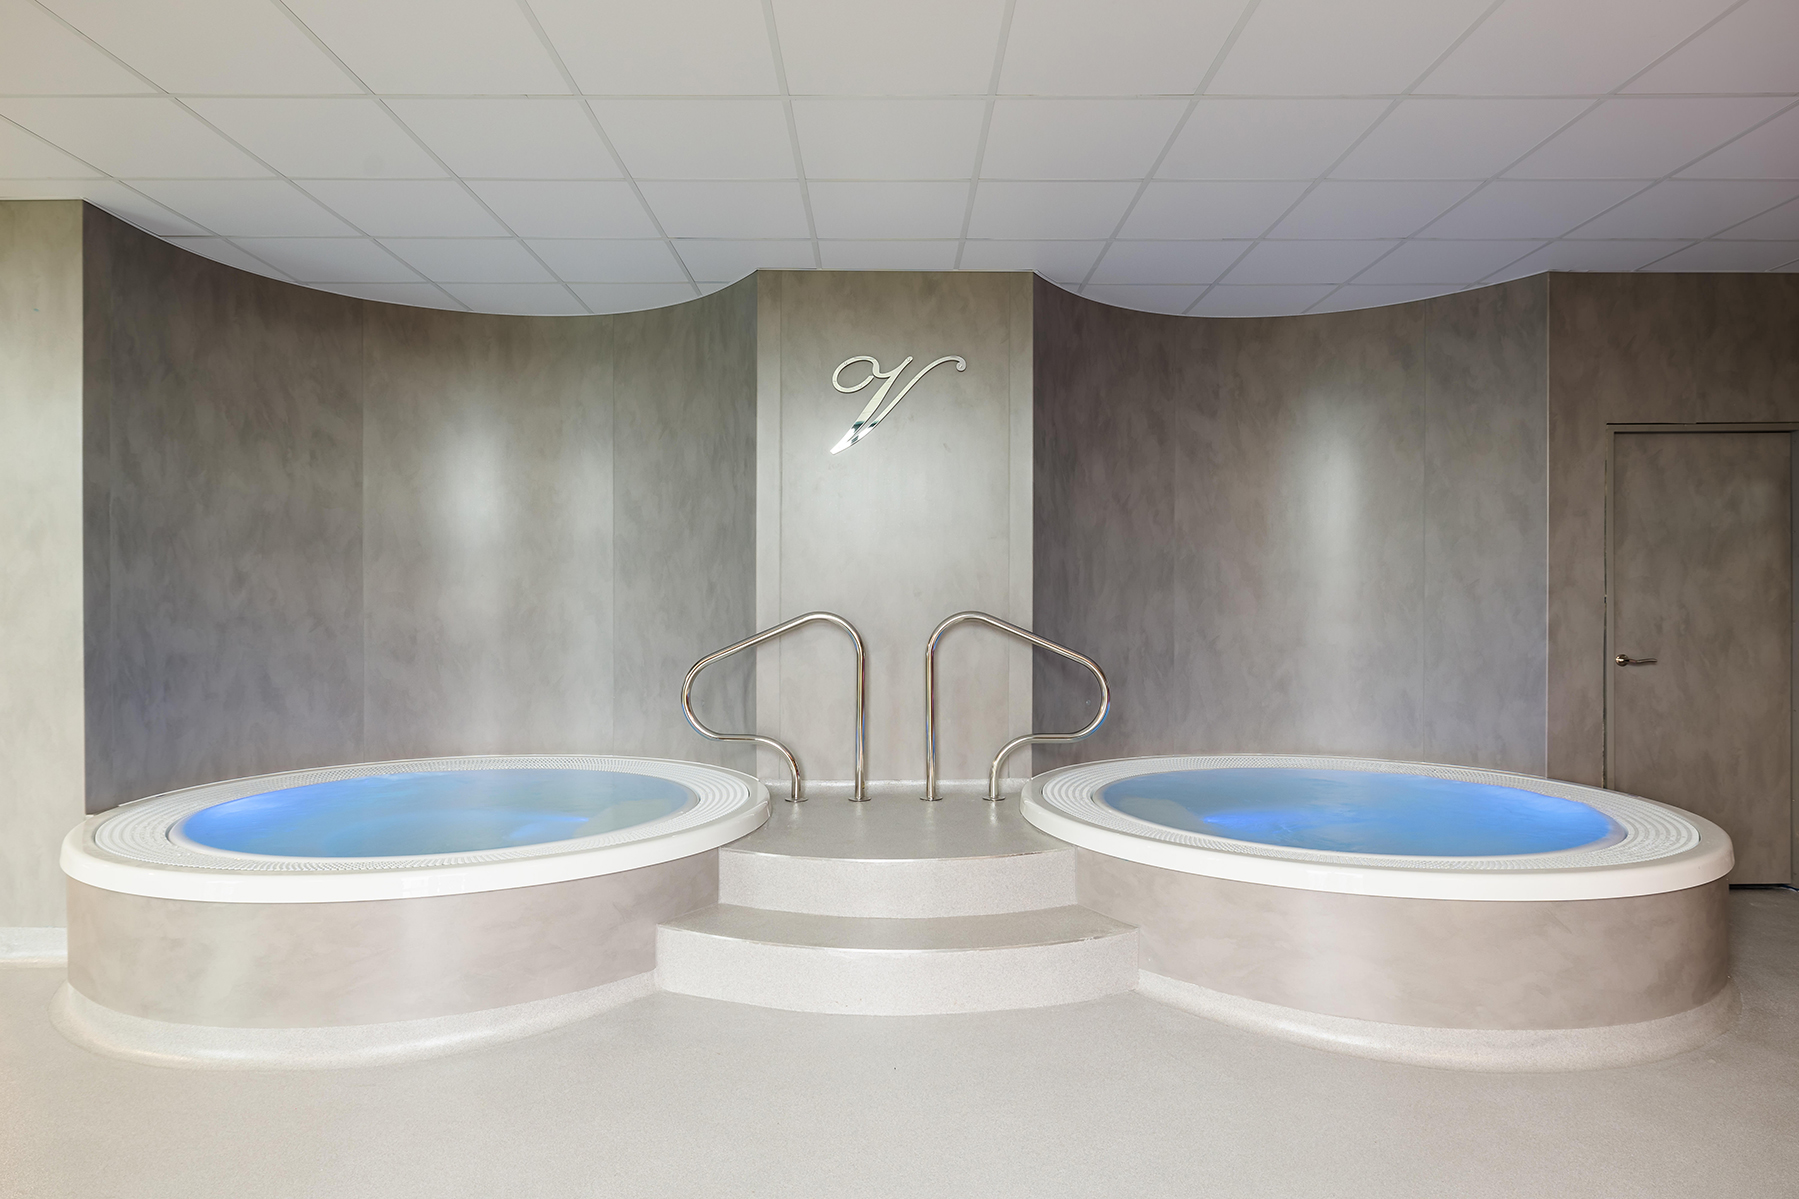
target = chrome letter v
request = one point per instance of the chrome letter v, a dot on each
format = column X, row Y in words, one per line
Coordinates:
column 877, row 411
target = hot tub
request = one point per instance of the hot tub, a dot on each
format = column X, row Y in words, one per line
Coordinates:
column 1414, row 912
column 385, row 910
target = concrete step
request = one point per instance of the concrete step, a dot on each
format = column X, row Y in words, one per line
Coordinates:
column 897, row 858
column 877, row 966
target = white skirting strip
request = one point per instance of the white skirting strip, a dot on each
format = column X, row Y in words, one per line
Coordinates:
column 1502, row 1051
column 34, row 946
column 160, row 1043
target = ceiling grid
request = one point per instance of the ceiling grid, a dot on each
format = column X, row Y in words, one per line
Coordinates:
column 1209, row 157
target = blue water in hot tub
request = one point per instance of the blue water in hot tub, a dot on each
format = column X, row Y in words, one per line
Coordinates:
column 1356, row 811
column 431, row 812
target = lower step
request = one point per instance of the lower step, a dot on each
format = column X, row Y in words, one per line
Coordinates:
column 876, row 966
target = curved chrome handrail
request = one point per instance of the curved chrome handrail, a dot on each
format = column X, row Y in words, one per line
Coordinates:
column 999, row 760
column 795, row 794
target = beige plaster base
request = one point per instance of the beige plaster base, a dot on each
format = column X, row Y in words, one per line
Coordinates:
column 1427, row 963
column 161, row 1043
column 332, row 965
column 1490, row 1050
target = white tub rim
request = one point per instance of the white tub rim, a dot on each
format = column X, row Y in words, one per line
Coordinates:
column 1664, row 848
column 726, row 805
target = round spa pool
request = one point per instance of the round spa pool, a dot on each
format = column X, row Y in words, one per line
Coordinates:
column 1370, row 827
column 1439, row 915
column 386, row 910
column 438, row 826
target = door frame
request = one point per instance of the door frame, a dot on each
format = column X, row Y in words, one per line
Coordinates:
column 1611, row 433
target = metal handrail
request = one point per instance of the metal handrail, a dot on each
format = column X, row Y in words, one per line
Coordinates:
column 999, row 760
column 795, row 794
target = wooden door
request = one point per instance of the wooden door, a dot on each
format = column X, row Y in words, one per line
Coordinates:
column 1702, row 582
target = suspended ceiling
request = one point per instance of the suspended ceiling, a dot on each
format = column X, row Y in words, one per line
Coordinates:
column 1187, row 156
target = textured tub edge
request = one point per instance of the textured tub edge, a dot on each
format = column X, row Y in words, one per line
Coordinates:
column 193, row 1046
column 1496, row 1051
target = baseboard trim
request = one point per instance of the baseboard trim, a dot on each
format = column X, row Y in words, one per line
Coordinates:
column 1500, row 1051
column 34, row 946
column 193, row 1046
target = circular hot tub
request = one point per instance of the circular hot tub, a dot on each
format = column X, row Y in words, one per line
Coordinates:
column 1419, row 912
column 385, row 910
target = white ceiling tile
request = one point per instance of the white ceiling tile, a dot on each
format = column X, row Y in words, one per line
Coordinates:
column 1551, row 47
column 1730, row 256
column 246, row 207
column 1751, row 50
column 441, row 47
column 592, row 260
column 1770, row 151
column 1461, row 262
column 1229, row 138
column 889, row 139
column 26, row 156
column 1209, row 210
column 888, row 255
column 1144, row 297
column 699, row 139
column 669, row 48
column 134, row 138
column 1643, row 138
column 1356, row 296
column 1225, row 300
column 1282, row 262
column 632, row 297
column 1782, row 224
column 39, row 55
column 1329, row 48
column 1530, row 208
column 220, row 250
column 329, row 259
column 1623, row 255
column 543, row 209
column 346, row 139
column 882, row 210
column 1059, row 211
column 1455, row 139
column 406, row 208
column 1681, row 208
column 517, row 299
column 1167, row 262
column 728, row 261
column 931, row 47
column 218, row 46
column 413, row 295
column 1357, row 210
column 511, row 138
column 1058, row 261
column 1078, row 48
column 116, row 198
column 728, row 210
column 1077, row 139
column 470, row 259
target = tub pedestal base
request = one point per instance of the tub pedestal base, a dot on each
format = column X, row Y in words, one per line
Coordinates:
column 163, row 1043
column 1491, row 1050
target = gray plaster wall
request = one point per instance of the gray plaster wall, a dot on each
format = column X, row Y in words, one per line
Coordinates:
column 1304, row 534
column 928, row 515
column 41, row 581
column 321, row 529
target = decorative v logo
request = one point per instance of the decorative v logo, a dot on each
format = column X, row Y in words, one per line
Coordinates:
column 877, row 411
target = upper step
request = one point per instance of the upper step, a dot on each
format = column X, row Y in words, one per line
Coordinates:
column 889, row 967
column 897, row 858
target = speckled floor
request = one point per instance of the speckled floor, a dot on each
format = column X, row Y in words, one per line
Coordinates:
column 679, row 1096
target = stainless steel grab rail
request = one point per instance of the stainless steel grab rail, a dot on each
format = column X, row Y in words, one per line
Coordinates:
column 796, row 794
column 999, row 760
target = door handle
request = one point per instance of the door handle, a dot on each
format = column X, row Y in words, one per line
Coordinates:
column 1625, row 661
